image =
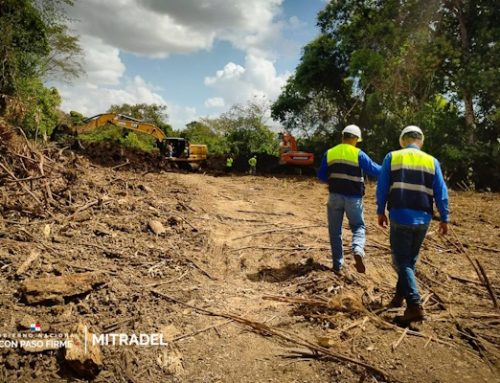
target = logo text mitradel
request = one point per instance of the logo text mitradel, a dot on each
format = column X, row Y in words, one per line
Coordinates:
column 118, row 339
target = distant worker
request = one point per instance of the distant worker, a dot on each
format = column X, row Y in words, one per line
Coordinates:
column 342, row 168
column 253, row 165
column 229, row 164
column 170, row 150
column 409, row 182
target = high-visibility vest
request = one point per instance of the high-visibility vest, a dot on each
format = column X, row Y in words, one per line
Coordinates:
column 412, row 179
column 229, row 162
column 344, row 173
column 252, row 161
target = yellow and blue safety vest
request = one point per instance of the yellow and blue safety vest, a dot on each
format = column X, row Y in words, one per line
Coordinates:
column 344, row 173
column 411, row 180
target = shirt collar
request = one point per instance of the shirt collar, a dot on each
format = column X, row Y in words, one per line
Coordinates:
column 413, row 146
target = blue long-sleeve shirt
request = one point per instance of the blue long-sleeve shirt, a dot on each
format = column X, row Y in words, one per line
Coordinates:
column 365, row 163
column 411, row 216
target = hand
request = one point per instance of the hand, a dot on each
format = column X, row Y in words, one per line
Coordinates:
column 443, row 228
column 382, row 220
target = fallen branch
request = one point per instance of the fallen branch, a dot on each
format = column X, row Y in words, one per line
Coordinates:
column 121, row 165
column 280, row 248
column 180, row 337
column 398, row 342
column 263, row 212
column 477, row 267
column 84, row 207
column 165, row 282
column 9, row 172
column 263, row 329
column 275, row 231
column 200, row 268
column 488, row 284
column 34, row 255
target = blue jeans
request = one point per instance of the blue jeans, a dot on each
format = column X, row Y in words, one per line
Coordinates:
column 353, row 208
column 405, row 244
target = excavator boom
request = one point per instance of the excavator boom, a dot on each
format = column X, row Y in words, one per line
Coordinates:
column 122, row 121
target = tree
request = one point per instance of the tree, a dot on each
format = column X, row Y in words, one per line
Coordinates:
column 34, row 45
column 387, row 64
column 242, row 131
column 23, row 41
column 198, row 132
column 42, row 112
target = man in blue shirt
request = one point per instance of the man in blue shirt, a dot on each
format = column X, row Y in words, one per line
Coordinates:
column 342, row 168
column 409, row 182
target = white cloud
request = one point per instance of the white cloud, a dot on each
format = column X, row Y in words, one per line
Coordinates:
column 91, row 100
column 101, row 61
column 215, row 102
column 238, row 84
column 158, row 28
column 230, row 72
column 295, row 23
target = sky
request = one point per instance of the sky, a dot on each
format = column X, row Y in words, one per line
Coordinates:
column 198, row 57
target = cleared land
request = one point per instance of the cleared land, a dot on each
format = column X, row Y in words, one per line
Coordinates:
column 237, row 277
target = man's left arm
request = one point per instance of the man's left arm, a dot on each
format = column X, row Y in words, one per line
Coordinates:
column 323, row 170
column 369, row 166
column 441, row 197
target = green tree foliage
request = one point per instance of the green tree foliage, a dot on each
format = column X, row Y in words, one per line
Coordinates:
column 200, row 133
column 34, row 45
column 41, row 115
column 22, row 42
column 387, row 64
column 153, row 113
column 243, row 131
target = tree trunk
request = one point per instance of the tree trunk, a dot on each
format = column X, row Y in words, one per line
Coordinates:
column 470, row 122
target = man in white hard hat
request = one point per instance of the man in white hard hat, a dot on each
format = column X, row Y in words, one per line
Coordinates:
column 342, row 168
column 409, row 182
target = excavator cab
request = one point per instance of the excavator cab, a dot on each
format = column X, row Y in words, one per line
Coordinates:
column 290, row 155
column 180, row 147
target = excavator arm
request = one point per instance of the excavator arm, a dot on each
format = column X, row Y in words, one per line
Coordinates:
column 122, row 121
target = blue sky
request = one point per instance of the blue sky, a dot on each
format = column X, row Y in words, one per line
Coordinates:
column 198, row 57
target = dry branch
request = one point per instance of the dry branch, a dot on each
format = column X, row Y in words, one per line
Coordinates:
column 275, row 231
column 263, row 329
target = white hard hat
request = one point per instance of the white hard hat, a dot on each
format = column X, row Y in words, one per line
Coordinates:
column 411, row 129
column 354, row 130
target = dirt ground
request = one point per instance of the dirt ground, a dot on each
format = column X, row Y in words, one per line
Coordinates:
column 239, row 281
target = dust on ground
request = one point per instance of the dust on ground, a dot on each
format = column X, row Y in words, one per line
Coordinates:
column 235, row 272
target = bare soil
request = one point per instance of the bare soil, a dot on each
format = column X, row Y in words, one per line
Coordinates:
column 240, row 283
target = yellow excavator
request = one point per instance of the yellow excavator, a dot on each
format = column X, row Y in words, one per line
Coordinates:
column 174, row 148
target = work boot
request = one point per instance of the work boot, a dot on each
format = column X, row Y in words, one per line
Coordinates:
column 413, row 313
column 397, row 301
column 360, row 264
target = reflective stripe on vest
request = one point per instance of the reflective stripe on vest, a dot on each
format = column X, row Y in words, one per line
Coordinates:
column 412, row 179
column 344, row 174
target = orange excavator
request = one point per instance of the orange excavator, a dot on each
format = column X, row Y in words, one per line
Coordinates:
column 289, row 155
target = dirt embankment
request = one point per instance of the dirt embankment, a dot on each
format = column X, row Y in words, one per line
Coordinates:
column 235, row 273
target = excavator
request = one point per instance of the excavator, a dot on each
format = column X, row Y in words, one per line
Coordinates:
column 289, row 155
column 178, row 149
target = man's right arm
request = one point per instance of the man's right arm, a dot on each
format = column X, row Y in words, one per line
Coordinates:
column 323, row 170
column 441, row 198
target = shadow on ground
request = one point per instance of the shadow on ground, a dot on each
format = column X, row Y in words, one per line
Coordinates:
column 287, row 272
